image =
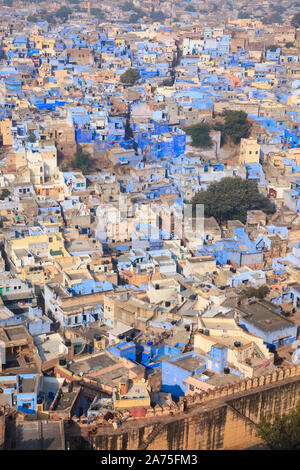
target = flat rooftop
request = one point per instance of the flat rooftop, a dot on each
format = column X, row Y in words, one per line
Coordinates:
column 91, row 332
column 261, row 316
column 224, row 379
column 189, row 363
column 16, row 333
column 58, row 290
column 230, row 340
column 135, row 391
column 113, row 377
column 65, row 400
column 89, row 363
column 50, row 346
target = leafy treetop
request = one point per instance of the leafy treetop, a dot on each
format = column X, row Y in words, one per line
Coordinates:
column 200, row 135
column 283, row 433
column 231, row 198
column 130, row 77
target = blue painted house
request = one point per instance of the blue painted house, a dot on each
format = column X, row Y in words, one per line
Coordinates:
column 124, row 349
column 177, row 369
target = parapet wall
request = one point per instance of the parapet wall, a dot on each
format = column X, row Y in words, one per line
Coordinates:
column 185, row 403
column 245, row 385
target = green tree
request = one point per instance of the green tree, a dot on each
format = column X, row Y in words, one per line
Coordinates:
column 296, row 20
column 243, row 15
column 278, row 8
column 273, row 18
column 190, row 8
column 167, row 82
column 158, row 16
column 134, row 18
column 281, row 433
column 4, row 193
column 128, row 6
column 236, row 125
column 200, row 135
column 82, row 160
column 273, row 48
column 49, row 18
column 231, row 198
column 289, row 44
column 259, row 292
column 32, row 19
column 130, row 77
column 98, row 13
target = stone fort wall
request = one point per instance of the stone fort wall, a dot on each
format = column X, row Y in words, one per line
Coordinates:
column 223, row 418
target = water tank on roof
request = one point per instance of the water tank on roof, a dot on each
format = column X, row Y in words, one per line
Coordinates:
column 226, row 370
column 62, row 362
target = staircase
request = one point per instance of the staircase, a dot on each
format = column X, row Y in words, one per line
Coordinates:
column 190, row 344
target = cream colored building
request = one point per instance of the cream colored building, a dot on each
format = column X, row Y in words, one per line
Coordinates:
column 36, row 167
column 246, row 353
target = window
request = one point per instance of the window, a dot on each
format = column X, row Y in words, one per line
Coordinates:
column 27, row 405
